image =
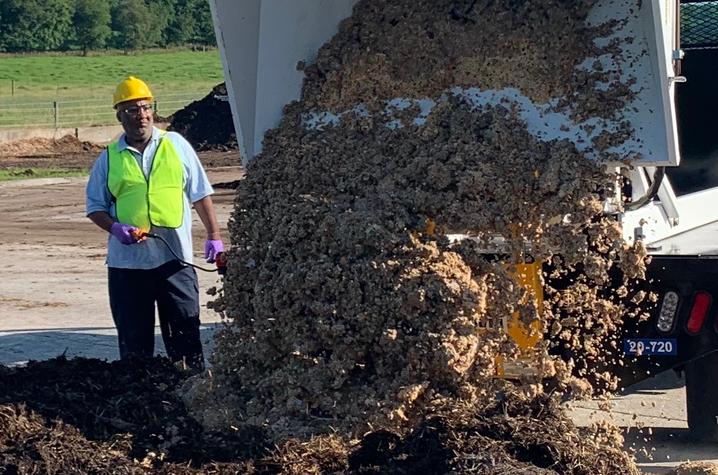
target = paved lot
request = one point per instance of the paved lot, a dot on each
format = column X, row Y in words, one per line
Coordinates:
column 53, row 300
column 653, row 413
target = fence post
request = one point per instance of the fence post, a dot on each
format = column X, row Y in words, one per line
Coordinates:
column 12, row 87
column 56, row 113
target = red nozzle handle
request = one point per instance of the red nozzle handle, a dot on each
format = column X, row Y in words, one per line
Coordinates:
column 139, row 234
column 220, row 261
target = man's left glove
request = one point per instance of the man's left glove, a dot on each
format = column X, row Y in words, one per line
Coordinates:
column 212, row 247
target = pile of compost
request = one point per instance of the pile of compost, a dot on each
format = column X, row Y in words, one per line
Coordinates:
column 207, row 123
column 88, row 416
column 351, row 303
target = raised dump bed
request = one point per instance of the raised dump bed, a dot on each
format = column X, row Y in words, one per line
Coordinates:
column 262, row 41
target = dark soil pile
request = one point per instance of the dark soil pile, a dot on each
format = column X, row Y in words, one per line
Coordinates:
column 90, row 417
column 28, row 444
column 511, row 435
column 207, row 123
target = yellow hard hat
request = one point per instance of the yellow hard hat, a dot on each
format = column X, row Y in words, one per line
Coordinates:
column 131, row 89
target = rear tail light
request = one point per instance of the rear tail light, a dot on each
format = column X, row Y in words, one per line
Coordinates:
column 669, row 309
column 699, row 311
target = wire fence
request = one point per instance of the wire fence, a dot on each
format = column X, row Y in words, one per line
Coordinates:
column 79, row 112
column 699, row 24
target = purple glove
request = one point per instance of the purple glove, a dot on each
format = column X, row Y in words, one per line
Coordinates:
column 123, row 232
column 212, row 247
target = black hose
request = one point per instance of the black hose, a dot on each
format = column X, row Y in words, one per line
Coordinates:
column 652, row 190
column 157, row 236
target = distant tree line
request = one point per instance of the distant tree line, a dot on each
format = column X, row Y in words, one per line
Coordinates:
column 82, row 25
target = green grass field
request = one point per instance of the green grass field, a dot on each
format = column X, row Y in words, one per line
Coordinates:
column 82, row 86
column 59, row 77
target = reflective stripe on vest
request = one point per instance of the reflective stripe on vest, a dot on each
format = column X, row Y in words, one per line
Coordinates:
column 146, row 202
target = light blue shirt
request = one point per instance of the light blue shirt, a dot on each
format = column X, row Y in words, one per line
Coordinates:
column 150, row 253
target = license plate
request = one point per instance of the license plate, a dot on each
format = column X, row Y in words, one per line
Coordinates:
column 650, row 346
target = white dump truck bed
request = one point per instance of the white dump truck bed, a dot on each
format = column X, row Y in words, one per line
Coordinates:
column 261, row 42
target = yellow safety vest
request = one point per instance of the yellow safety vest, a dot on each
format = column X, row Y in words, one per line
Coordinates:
column 146, row 202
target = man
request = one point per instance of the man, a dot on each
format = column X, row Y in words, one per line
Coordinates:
column 144, row 182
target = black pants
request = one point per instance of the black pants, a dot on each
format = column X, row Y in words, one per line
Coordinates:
column 174, row 288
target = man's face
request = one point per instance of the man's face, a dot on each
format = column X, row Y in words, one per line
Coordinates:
column 136, row 118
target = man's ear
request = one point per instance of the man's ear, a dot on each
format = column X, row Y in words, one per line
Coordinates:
column 117, row 115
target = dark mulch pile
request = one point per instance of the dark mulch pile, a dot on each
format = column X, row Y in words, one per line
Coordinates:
column 510, row 435
column 89, row 416
column 118, row 412
column 207, row 123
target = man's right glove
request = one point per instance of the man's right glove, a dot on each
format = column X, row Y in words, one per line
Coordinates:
column 212, row 247
column 123, row 232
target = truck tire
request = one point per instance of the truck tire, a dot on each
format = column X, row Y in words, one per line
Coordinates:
column 702, row 398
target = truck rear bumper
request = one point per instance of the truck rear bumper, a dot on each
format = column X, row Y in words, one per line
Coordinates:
column 668, row 339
